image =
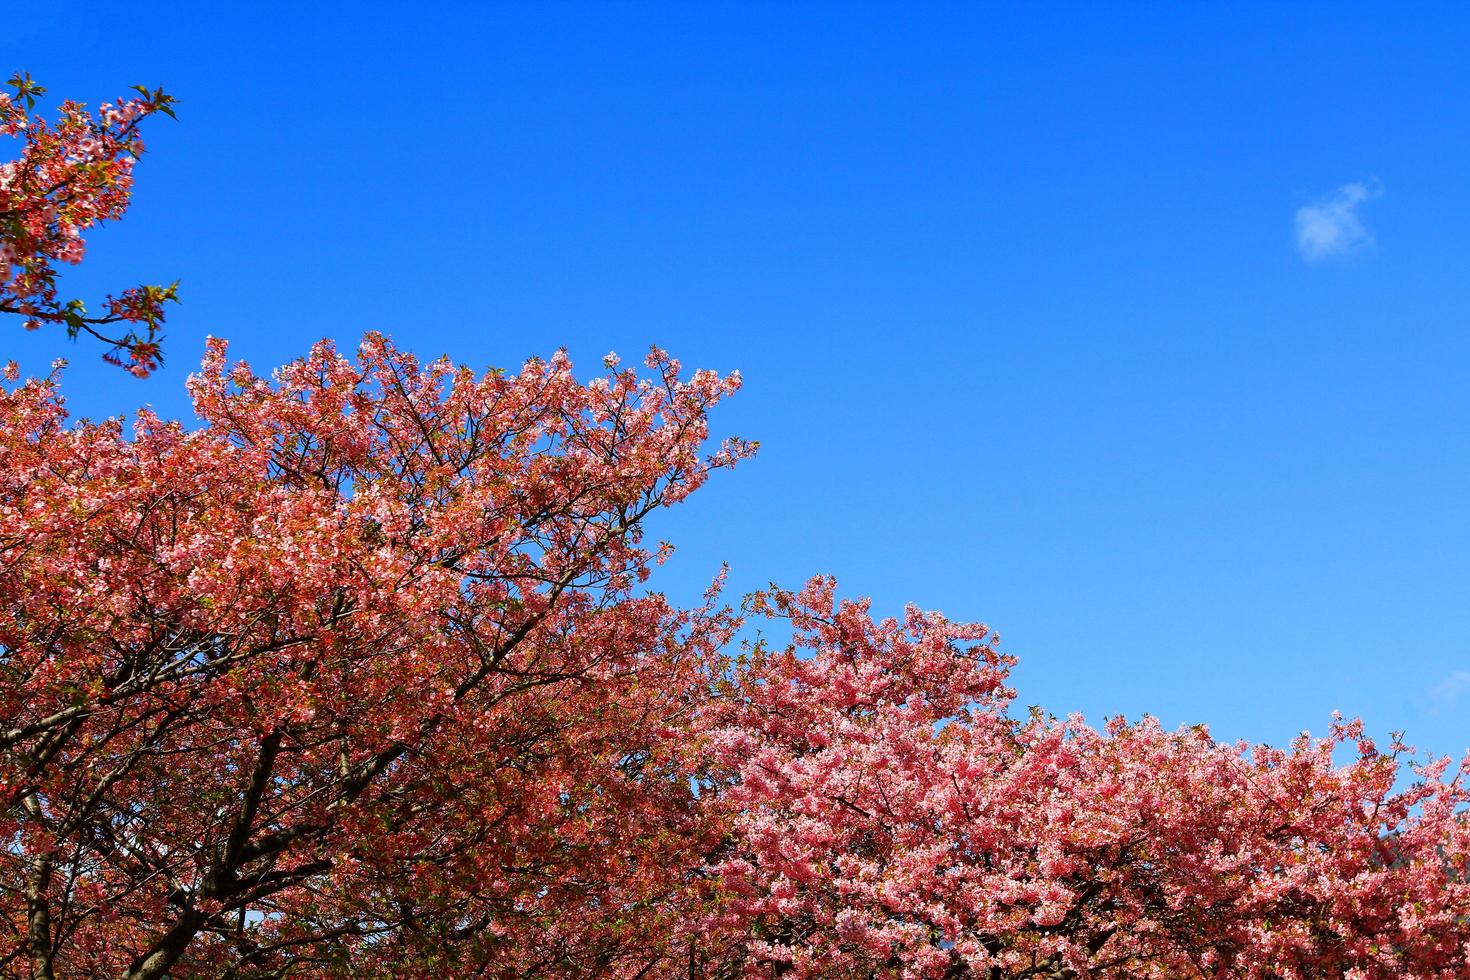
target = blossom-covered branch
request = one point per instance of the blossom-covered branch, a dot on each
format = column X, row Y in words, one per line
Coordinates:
column 67, row 178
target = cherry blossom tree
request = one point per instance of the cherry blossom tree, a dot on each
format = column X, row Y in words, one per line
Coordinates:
column 67, row 178
column 356, row 673
column 889, row 817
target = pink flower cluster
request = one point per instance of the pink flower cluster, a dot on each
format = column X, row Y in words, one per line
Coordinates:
column 66, row 179
column 888, row 817
column 364, row 648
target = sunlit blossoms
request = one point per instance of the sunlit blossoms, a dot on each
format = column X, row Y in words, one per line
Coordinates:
column 889, row 817
column 359, row 672
column 67, row 177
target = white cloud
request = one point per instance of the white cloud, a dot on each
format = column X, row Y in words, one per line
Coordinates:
column 1452, row 688
column 1331, row 226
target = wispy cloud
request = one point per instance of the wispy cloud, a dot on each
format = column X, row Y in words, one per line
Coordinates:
column 1452, row 688
column 1331, row 226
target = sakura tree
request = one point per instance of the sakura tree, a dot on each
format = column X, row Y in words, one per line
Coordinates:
column 889, row 817
column 67, row 178
column 356, row 673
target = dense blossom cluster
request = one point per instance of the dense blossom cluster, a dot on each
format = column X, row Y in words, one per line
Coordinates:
column 888, row 817
column 356, row 670
column 361, row 676
column 68, row 177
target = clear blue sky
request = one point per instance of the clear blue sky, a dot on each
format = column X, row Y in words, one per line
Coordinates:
column 1027, row 332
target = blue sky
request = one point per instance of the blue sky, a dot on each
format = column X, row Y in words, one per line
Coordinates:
column 1138, row 333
